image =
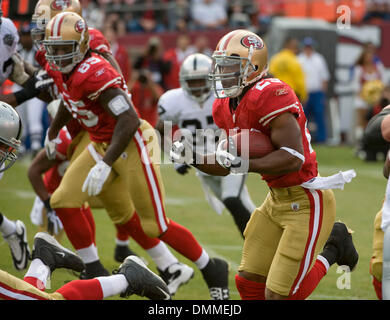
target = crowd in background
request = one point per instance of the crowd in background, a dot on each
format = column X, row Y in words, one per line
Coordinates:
column 156, row 69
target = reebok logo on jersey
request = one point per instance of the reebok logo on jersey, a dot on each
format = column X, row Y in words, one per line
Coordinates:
column 281, row 92
column 99, row 72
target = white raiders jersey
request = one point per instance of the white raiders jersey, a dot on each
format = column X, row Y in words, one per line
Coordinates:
column 9, row 39
column 176, row 106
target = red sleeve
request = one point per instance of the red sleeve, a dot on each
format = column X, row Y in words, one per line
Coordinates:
column 218, row 120
column 98, row 42
column 62, row 147
column 275, row 99
column 99, row 77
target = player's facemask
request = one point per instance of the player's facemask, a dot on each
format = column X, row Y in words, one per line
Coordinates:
column 7, row 153
column 229, row 74
column 37, row 35
column 63, row 55
column 197, row 89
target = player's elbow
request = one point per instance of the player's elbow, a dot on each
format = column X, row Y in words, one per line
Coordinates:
column 294, row 165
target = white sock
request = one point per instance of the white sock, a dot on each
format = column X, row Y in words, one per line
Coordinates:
column 7, row 226
column 121, row 242
column 203, row 260
column 88, row 254
column 113, row 285
column 324, row 262
column 161, row 256
column 39, row 271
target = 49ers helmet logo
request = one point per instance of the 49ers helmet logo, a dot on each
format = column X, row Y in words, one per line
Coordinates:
column 253, row 41
column 60, row 5
column 80, row 26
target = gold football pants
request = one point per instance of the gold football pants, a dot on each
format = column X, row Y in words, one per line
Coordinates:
column 285, row 234
column 14, row 288
column 134, row 183
column 376, row 261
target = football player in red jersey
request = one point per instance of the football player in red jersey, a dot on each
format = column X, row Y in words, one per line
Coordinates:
column 133, row 276
column 283, row 236
column 116, row 166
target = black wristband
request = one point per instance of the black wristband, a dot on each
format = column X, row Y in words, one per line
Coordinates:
column 28, row 92
column 47, row 204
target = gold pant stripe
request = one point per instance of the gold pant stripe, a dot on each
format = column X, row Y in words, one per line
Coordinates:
column 316, row 212
column 153, row 184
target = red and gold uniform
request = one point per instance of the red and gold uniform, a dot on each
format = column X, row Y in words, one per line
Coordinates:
column 133, row 171
column 285, row 234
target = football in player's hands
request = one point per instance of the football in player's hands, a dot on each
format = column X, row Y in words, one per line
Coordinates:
column 252, row 144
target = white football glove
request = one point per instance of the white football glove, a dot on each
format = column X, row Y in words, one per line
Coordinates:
column 54, row 224
column 182, row 152
column 229, row 159
column 51, row 146
column 96, row 178
column 18, row 75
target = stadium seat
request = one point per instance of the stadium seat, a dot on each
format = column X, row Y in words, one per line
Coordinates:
column 358, row 8
column 324, row 9
column 295, row 8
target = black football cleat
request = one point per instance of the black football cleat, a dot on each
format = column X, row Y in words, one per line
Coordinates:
column 216, row 275
column 54, row 255
column 341, row 239
column 18, row 245
column 176, row 275
column 122, row 252
column 142, row 281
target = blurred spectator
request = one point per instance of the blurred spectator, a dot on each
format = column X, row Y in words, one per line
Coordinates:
column 118, row 51
column 120, row 25
column 174, row 57
column 179, row 15
column 149, row 17
column 209, row 14
column 377, row 11
column 31, row 111
column 370, row 151
column 366, row 70
column 238, row 17
column 145, row 95
column 152, row 60
column 286, row 67
column 93, row 13
column 316, row 77
column 202, row 45
column 268, row 9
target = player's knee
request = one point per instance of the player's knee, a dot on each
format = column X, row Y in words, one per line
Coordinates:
column 376, row 270
column 150, row 228
column 271, row 295
column 61, row 199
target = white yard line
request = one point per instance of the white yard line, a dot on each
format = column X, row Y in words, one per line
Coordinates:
column 24, row 194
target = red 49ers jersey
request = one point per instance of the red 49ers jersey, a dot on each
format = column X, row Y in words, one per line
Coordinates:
column 80, row 92
column 97, row 42
column 263, row 102
column 53, row 176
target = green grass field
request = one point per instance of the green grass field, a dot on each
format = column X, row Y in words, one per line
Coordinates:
column 357, row 205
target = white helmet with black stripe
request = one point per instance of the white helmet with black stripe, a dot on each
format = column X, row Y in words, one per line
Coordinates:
column 194, row 76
